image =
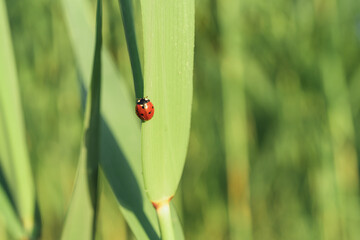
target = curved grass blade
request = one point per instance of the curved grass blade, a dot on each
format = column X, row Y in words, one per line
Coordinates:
column 13, row 150
column 81, row 219
column 129, row 26
column 120, row 130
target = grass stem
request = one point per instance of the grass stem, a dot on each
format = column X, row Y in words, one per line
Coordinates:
column 166, row 226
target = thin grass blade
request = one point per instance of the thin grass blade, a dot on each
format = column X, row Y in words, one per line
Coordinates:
column 81, row 219
column 13, row 150
column 235, row 129
column 9, row 216
column 129, row 26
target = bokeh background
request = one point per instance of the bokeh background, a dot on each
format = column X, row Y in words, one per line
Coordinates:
column 275, row 139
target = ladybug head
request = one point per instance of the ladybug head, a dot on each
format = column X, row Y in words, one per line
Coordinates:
column 142, row 101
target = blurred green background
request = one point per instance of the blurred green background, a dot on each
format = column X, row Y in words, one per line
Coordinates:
column 275, row 139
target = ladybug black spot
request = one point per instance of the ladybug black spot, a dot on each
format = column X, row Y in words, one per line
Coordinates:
column 150, row 112
column 152, row 107
column 142, row 114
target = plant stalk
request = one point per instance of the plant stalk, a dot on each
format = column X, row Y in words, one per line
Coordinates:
column 166, row 226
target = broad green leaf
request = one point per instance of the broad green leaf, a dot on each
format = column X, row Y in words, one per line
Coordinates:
column 168, row 69
column 13, row 150
column 120, row 129
column 81, row 219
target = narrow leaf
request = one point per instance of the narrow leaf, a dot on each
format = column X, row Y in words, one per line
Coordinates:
column 81, row 219
column 129, row 26
column 8, row 214
column 13, row 150
column 235, row 129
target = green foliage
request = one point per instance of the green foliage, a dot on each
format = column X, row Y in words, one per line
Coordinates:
column 17, row 192
column 131, row 40
column 81, row 219
column 120, row 132
column 277, row 79
column 233, row 83
column 9, row 216
column 168, row 58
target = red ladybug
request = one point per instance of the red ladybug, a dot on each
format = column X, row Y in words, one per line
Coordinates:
column 144, row 109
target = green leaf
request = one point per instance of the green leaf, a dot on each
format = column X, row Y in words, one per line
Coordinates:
column 92, row 117
column 8, row 213
column 168, row 68
column 129, row 26
column 13, row 150
column 83, row 207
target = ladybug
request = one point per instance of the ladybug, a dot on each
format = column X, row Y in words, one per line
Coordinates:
column 144, row 109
